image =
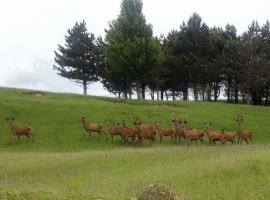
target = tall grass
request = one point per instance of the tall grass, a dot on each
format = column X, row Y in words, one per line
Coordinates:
column 62, row 163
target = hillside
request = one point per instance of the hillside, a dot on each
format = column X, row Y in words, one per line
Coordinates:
column 60, row 163
column 55, row 118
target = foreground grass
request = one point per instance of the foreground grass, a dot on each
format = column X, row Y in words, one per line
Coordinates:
column 230, row 172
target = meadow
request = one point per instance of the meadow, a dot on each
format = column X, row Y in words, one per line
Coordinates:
column 62, row 163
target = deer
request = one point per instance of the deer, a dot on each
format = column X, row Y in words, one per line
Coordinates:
column 242, row 133
column 114, row 131
column 19, row 130
column 213, row 136
column 128, row 132
column 192, row 135
column 163, row 132
column 145, row 131
column 178, row 130
column 228, row 136
column 92, row 127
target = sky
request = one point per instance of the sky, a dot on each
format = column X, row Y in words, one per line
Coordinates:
column 31, row 30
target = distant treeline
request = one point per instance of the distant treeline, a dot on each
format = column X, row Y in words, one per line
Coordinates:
column 196, row 61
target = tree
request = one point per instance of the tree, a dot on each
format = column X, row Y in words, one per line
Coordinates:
column 80, row 57
column 131, row 50
column 195, row 45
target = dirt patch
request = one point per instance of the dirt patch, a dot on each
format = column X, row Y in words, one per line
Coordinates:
column 36, row 94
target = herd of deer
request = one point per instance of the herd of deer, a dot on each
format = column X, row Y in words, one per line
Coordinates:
column 176, row 130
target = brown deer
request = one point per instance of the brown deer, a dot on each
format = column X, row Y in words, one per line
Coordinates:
column 137, row 122
column 145, row 131
column 192, row 135
column 242, row 133
column 148, row 133
column 213, row 136
column 114, row 131
column 228, row 136
column 164, row 132
column 128, row 132
column 178, row 130
column 19, row 130
column 92, row 127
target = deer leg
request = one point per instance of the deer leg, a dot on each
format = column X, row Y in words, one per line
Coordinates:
column 18, row 138
column 160, row 139
column 251, row 140
column 246, row 140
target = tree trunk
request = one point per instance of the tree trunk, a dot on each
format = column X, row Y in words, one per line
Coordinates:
column 138, row 90
column 126, row 94
column 266, row 99
column 216, row 91
column 152, row 93
column 166, row 95
column 185, row 94
column 173, row 95
column 119, row 94
column 229, row 91
column 236, row 95
column 196, row 92
column 143, row 90
column 158, row 97
column 84, row 87
column 161, row 95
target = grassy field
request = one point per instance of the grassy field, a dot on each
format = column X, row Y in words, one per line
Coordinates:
column 63, row 164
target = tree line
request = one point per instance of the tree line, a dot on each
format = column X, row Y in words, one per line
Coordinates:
column 196, row 61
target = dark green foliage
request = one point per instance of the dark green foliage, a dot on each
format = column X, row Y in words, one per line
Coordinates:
column 80, row 56
column 131, row 51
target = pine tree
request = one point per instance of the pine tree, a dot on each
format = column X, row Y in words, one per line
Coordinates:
column 80, row 56
column 131, row 50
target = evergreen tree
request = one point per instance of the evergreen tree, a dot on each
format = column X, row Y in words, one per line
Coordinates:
column 80, row 56
column 131, row 50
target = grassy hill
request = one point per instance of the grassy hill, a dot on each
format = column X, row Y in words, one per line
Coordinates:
column 63, row 164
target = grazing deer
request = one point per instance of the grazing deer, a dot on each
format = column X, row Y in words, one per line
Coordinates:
column 228, row 136
column 128, row 132
column 114, row 131
column 213, row 136
column 192, row 135
column 19, row 130
column 92, row 127
column 242, row 133
column 164, row 132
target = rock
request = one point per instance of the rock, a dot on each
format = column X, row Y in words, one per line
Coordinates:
column 158, row 192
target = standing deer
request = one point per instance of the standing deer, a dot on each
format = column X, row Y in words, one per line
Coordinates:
column 128, row 132
column 228, row 136
column 114, row 131
column 145, row 131
column 213, row 136
column 178, row 130
column 19, row 130
column 92, row 127
column 164, row 132
column 242, row 133
column 192, row 135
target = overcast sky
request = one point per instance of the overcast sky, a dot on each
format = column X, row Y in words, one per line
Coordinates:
column 31, row 30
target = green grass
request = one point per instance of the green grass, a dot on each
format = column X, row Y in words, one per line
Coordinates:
column 62, row 164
